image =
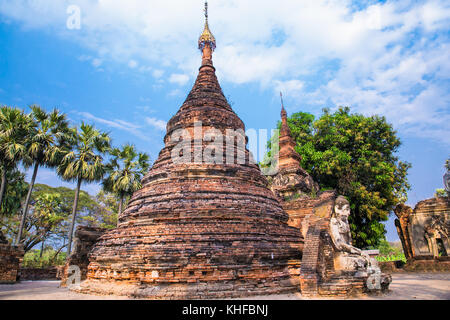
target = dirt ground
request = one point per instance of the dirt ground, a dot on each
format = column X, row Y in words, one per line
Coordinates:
column 405, row 286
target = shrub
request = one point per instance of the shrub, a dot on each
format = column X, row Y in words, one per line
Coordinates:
column 32, row 259
column 390, row 253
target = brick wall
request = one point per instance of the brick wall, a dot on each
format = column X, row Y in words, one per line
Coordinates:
column 33, row 274
column 10, row 259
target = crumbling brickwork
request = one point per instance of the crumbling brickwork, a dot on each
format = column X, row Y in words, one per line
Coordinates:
column 425, row 231
column 403, row 213
column 33, row 274
column 309, row 275
column 318, row 276
column 311, row 211
column 291, row 181
column 307, row 210
column 85, row 238
column 196, row 229
column 428, row 264
column 10, row 259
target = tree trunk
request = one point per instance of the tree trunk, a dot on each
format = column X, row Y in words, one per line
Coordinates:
column 42, row 250
column 27, row 204
column 3, row 185
column 120, row 205
column 74, row 215
column 57, row 252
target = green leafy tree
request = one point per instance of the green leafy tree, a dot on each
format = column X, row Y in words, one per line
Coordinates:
column 355, row 155
column 48, row 212
column 440, row 193
column 99, row 211
column 15, row 192
column 84, row 162
column 104, row 214
column 37, row 259
column 86, row 202
column 45, row 142
column 125, row 172
column 86, row 205
column 14, row 129
column 385, row 248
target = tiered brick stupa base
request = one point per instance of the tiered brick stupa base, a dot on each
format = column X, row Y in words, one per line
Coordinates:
column 205, row 230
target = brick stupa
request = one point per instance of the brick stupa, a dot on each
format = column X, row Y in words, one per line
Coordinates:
column 199, row 230
column 291, row 181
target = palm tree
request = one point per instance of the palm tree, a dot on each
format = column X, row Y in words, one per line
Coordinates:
column 45, row 144
column 14, row 128
column 83, row 162
column 125, row 172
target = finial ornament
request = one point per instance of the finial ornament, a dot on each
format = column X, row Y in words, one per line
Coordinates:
column 207, row 37
column 283, row 111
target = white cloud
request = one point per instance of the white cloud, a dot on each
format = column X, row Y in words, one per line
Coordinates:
column 291, row 88
column 158, row 73
column 146, row 109
column 117, row 124
column 158, row 124
column 97, row 62
column 180, row 79
column 133, row 64
column 390, row 58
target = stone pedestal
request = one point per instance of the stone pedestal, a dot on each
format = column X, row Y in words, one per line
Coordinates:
column 319, row 277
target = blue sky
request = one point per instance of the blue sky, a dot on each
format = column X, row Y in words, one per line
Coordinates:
column 131, row 64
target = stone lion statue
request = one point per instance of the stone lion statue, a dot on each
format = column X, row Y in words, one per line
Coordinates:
column 349, row 258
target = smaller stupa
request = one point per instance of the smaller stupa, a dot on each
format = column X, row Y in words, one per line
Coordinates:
column 292, row 181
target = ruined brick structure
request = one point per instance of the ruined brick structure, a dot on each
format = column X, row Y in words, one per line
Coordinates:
column 291, row 181
column 311, row 211
column 10, row 259
column 403, row 213
column 34, row 274
column 318, row 275
column 424, row 231
column 307, row 211
column 199, row 229
column 85, row 239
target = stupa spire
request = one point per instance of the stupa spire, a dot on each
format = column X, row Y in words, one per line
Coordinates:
column 283, row 111
column 291, row 177
column 285, row 131
column 207, row 42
